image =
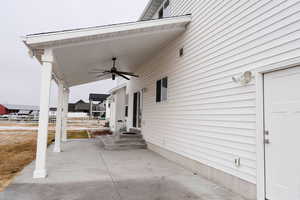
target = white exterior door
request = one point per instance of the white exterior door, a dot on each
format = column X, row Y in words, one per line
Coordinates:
column 282, row 129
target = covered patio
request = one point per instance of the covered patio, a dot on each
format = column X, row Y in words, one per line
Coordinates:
column 112, row 175
column 69, row 57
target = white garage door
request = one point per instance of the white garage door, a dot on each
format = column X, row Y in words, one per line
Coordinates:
column 282, row 129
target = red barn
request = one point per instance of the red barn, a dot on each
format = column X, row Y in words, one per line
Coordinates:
column 3, row 110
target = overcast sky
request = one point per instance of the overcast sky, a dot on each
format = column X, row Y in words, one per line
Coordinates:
column 19, row 74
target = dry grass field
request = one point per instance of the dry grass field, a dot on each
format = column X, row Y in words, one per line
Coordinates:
column 77, row 134
column 100, row 132
column 16, row 151
column 18, row 145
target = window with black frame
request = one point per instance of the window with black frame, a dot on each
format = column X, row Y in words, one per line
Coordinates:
column 158, row 91
column 126, row 105
column 162, row 90
column 126, row 111
column 161, row 13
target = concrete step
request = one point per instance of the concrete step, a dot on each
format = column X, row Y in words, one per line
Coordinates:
column 128, row 140
column 108, row 140
column 135, row 130
column 125, row 146
column 123, row 142
column 130, row 136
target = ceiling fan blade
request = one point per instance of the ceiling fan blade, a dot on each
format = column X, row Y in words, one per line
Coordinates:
column 98, row 71
column 100, row 75
column 122, row 76
column 127, row 73
column 134, row 75
column 92, row 72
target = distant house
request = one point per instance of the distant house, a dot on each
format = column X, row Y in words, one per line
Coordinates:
column 52, row 111
column 3, row 110
column 98, row 97
column 97, row 105
column 71, row 107
column 18, row 109
column 79, row 106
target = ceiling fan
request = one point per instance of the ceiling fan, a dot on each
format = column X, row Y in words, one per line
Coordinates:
column 113, row 71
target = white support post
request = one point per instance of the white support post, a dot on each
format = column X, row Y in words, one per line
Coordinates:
column 59, row 113
column 66, row 94
column 46, row 77
column 91, row 109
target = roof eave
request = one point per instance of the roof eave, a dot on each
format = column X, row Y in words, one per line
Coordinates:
column 75, row 38
column 41, row 40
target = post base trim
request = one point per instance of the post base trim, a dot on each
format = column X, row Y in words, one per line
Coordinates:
column 56, row 150
column 40, row 173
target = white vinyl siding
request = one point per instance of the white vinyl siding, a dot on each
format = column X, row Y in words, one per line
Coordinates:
column 208, row 117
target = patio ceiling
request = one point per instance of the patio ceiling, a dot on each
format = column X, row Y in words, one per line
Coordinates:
column 79, row 51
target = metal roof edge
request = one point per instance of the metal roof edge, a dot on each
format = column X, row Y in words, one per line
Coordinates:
column 79, row 34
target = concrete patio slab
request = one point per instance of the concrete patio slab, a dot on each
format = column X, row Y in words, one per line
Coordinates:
column 86, row 171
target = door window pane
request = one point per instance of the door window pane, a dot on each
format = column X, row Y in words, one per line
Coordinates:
column 134, row 120
column 139, row 117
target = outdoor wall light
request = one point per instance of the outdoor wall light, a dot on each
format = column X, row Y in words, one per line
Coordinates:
column 181, row 52
column 237, row 162
column 243, row 79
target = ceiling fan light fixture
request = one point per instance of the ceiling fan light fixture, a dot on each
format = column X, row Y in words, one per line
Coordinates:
column 114, row 72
